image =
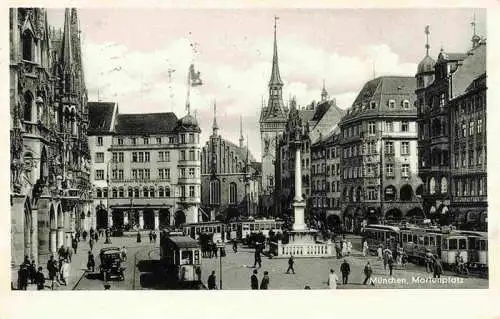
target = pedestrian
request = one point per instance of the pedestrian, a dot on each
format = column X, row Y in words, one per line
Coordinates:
column 257, row 258
column 387, row 253
column 138, row 236
column 69, row 253
column 96, row 236
column 338, row 250
column 77, row 235
column 235, row 246
column 368, row 274
column 32, row 272
column 22, row 277
column 428, row 262
column 349, row 248
column 62, row 252
column 344, row 248
column 65, row 271
column 379, row 253
column 150, row 237
column 40, row 279
column 290, row 265
column 254, row 281
column 123, row 253
column 53, row 270
column 211, row 281
column 84, row 235
column 75, row 245
column 264, row 284
column 345, row 269
column 154, row 237
column 214, row 249
column 91, row 243
column 404, row 260
column 390, row 262
column 90, row 262
column 365, row 248
column 332, row 279
column 438, row 268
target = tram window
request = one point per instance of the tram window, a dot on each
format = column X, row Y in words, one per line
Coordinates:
column 233, row 226
column 462, row 244
column 218, row 229
column 186, row 257
column 197, row 257
column 453, row 244
column 415, row 239
column 482, row 245
column 445, row 244
column 426, row 241
column 251, row 226
column 431, row 241
column 472, row 242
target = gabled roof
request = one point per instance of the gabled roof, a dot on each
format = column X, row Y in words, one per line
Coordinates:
column 472, row 67
column 100, row 117
column 144, row 124
column 327, row 120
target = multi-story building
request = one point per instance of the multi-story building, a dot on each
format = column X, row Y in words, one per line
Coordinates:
column 150, row 177
column 468, row 167
column 379, row 154
column 307, row 124
column 50, row 188
column 230, row 177
column 434, row 84
column 325, row 178
column 272, row 122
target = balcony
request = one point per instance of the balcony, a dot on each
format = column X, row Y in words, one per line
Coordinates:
column 189, row 200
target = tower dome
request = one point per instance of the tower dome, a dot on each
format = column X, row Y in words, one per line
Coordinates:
column 426, row 65
column 189, row 123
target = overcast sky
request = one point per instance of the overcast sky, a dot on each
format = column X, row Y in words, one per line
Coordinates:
column 127, row 54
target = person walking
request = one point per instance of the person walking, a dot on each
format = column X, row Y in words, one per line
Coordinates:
column 390, row 262
column 235, row 246
column 154, row 237
column 365, row 248
column 438, row 268
column 257, row 258
column 32, row 272
column 344, row 248
column 84, row 235
column 254, row 281
column 150, row 237
column 379, row 253
column 290, row 265
column 65, row 271
column 349, row 248
column 123, row 253
column 90, row 262
column 22, row 277
column 211, row 281
column 40, row 279
column 53, row 269
column 138, row 236
column 332, row 279
column 75, row 245
column 69, row 254
column 368, row 274
column 345, row 269
column 264, row 284
column 91, row 243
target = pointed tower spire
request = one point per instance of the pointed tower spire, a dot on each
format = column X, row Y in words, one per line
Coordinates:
column 241, row 133
column 275, row 73
column 67, row 58
column 427, row 46
column 475, row 38
column 215, row 127
column 324, row 93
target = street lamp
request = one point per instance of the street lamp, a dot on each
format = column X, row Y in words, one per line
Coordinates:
column 220, row 245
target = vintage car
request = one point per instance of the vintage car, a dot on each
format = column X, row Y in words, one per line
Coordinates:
column 111, row 263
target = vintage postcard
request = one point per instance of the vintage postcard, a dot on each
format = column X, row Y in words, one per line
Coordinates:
column 248, row 148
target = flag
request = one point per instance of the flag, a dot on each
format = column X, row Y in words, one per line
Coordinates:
column 194, row 76
column 426, row 29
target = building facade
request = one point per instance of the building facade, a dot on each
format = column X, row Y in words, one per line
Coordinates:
column 50, row 187
column 468, row 165
column 272, row 122
column 230, row 178
column 379, row 154
column 150, row 176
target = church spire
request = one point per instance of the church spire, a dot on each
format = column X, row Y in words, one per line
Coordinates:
column 324, row 93
column 241, row 133
column 215, row 127
column 275, row 73
column 427, row 46
column 66, row 45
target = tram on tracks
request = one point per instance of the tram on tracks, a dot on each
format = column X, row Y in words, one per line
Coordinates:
column 444, row 243
column 180, row 257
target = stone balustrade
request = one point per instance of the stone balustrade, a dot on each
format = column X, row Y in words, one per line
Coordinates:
column 303, row 250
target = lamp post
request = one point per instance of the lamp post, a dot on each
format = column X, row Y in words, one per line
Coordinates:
column 220, row 246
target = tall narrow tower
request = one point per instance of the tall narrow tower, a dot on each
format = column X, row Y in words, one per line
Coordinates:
column 272, row 122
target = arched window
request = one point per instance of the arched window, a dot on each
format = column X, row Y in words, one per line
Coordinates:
column 390, row 193
column 136, row 192
column 130, row 192
column 444, row 185
column 214, row 192
column 28, row 107
column 98, row 193
column 114, row 193
column 432, row 186
column 27, row 39
column 232, row 193
column 145, row 192
column 160, row 192
column 167, row 191
column 406, row 193
column 151, row 192
column 121, row 192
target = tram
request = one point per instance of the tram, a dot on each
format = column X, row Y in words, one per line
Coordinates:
column 381, row 235
column 180, row 257
column 215, row 229
column 417, row 242
column 256, row 226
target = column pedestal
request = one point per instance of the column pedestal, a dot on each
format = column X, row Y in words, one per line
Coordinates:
column 157, row 219
column 141, row 219
column 125, row 218
column 110, row 219
column 53, row 241
column 60, row 237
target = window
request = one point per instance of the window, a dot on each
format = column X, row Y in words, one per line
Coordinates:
column 114, row 174
column 99, row 141
column 405, row 126
column 167, row 156
column 141, row 157
column 114, row 157
column 147, row 174
column 114, row 193
column 146, row 140
column 151, row 192
column 161, row 156
column 191, row 138
column 191, row 173
column 158, row 140
column 120, row 141
column 432, row 186
column 105, row 192
column 479, row 126
column 389, row 169
column 27, row 39
column 464, row 130
column 183, row 138
column 405, row 148
column 167, row 173
column 183, row 191
column 183, row 156
column 371, row 127
column 191, row 191
column 389, row 126
column 389, row 147
column 160, row 192
column 134, row 157
column 98, row 193
column 372, row 194
column 136, row 192
column 167, row 191
column 120, row 174
column 182, row 172
column 141, row 174
column 471, row 158
column 406, row 104
column 134, row 174
column 145, row 192
column 464, row 159
column 120, row 157
column 146, row 157
column 171, row 139
column 444, row 185
column 133, row 141
column 99, row 174
column 373, row 105
column 471, row 128
column 99, row 157
column 405, row 170
column 191, row 155
column 479, row 156
column 442, row 100
column 392, row 104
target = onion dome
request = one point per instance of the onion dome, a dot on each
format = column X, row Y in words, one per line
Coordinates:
column 189, row 123
column 426, row 65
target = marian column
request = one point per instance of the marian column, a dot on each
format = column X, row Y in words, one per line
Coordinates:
column 298, row 202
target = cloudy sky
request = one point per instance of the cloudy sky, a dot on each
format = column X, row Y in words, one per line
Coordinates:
column 128, row 53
